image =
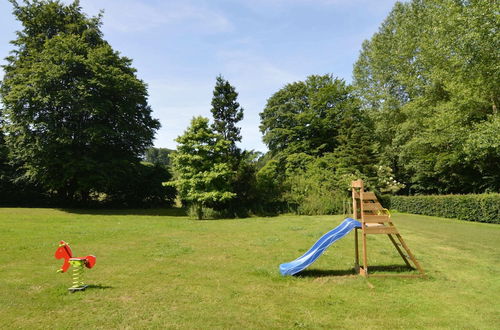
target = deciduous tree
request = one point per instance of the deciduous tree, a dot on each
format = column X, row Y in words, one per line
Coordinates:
column 304, row 117
column 202, row 173
column 75, row 113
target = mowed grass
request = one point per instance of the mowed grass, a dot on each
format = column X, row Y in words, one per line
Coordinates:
column 158, row 269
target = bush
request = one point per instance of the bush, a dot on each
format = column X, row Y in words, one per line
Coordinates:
column 319, row 187
column 201, row 212
column 478, row 207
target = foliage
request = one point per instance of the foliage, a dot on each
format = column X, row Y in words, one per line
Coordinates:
column 207, row 213
column 75, row 114
column 482, row 150
column 386, row 183
column 319, row 140
column 144, row 187
column 202, row 174
column 159, row 156
column 311, row 194
column 226, row 112
column 321, row 186
column 244, row 185
column 305, row 116
column 472, row 207
column 430, row 78
column 270, row 184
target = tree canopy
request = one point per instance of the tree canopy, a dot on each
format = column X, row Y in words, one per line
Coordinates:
column 431, row 81
column 304, row 116
column 75, row 114
column 227, row 112
column 158, row 156
column 319, row 139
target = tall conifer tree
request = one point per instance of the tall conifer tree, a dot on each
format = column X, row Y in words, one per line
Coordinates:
column 227, row 112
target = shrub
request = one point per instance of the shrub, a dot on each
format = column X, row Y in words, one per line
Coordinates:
column 201, row 212
column 318, row 187
column 473, row 207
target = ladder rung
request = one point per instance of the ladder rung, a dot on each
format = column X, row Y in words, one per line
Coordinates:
column 367, row 196
column 375, row 218
column 372, row 206
column 381, row 230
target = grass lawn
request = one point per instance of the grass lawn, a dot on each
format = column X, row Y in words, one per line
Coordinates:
column 157, row 269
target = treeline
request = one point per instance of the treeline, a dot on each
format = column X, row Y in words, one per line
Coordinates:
column 420, row 117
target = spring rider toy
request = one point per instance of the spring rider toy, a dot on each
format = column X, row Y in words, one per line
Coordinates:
column 64, row 252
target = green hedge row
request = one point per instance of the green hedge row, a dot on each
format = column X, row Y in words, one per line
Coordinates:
column 480, row 207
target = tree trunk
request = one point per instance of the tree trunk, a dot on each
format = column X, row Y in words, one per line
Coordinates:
column 199, row 211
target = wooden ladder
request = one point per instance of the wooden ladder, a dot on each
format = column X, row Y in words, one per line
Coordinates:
column 377, row 220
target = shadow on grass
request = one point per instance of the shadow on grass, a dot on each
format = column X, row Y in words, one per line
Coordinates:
column 99, row 286
column 170, row 212
column 390, row 269
column 325, row 273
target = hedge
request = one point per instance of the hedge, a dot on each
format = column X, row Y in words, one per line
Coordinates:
column 474, row 207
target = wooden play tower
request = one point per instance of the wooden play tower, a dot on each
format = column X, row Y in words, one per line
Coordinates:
column 377, row 220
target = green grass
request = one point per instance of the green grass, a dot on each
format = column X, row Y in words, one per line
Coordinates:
column 157, row 269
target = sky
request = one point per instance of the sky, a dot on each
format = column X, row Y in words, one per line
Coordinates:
column 179, row 47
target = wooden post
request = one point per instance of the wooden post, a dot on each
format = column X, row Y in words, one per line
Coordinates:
column 355, row 215
column 412, row 257
column 399, row 250
column 356, row 251
column 363, row 228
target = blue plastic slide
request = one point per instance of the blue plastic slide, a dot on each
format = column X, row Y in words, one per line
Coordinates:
column 299, row 264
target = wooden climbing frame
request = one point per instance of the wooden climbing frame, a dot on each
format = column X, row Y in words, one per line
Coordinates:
column 377, row 220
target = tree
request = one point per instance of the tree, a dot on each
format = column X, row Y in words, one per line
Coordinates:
column 356, row 143
column 75, row 114
column 482, row 149
column 143, row 188
column 429, row 77
column 318, row 139
column 227, row 112
column 158, row 156
column 303, row 117
column 202, row 174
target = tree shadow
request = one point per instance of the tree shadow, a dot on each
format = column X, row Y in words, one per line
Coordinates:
column 390, row 269
column 99, row 286
column 350, row 272
column 325, row 273
column 170, row 212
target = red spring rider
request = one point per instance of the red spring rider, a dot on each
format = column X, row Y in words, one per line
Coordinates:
column 64, row 252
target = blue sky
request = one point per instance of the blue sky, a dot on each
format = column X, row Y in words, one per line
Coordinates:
column 180, row 46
